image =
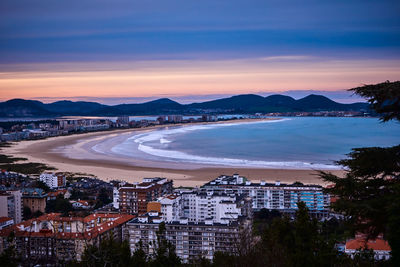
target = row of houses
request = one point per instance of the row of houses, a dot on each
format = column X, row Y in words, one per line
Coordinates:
column 52, row 239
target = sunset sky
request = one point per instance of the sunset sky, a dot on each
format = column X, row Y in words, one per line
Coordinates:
column 126, row 51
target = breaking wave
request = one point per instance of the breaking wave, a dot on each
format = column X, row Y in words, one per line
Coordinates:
column 144, row 143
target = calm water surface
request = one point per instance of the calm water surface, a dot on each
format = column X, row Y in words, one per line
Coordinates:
column 287, row 143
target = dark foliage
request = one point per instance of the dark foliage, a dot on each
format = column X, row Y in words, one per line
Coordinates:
column 383, row 97
column 165, row 253
column 27, row 168
column 284, row 242
column 108, row 253
column 104, row 196
column 41, row 185
column 377, row 162
column 27, row 213
column 59, row 205
column 9, row 159
column 114, row 253
column 264, row 217
column 369, row 194
column 9, row 257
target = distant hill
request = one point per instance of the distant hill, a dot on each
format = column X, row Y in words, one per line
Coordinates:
column 238, row 104
column 23, row 108
column 73, row 108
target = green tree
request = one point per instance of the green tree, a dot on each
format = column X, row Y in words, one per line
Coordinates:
column 139, row 257
column 9, row 257
column 60, row 204
column 109, row 253
column 103, row 196
column 383, row 97
column 298, row 243
column 27, row 213
column 369, row 194
column 165, row 252
column 42, row 185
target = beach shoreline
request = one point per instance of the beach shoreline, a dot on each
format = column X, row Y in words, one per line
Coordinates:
column 52, row 152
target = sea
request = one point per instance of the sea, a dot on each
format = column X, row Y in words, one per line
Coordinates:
column 288, row 143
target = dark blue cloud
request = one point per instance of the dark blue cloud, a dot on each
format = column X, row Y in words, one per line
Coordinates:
column 49, row 30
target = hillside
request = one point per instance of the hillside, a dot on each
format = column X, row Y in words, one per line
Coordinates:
column 248, row 103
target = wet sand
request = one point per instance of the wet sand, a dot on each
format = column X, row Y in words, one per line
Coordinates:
column 73, row 154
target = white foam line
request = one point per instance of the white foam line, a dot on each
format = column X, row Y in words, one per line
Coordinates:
column 184, row 157
column 162, row 134
column 171, row 155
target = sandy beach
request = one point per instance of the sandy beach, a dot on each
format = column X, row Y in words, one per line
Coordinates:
column 72, row 154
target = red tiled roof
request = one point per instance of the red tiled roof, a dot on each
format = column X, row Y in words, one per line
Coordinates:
column 377, row 244
column 5, row 219
column 92, row 233
column 56, row 193
column 172, row 196
column 334, row 199
column 100, row 215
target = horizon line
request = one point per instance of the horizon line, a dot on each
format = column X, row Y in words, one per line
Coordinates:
column 184, row 99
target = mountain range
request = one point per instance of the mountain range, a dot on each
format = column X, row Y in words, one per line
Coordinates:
column 238, row 104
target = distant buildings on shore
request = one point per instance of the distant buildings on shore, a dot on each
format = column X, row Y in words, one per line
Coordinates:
column 63, row 126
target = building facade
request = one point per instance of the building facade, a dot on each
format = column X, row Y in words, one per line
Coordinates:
column 215, row 206
column 191, row 240
column 53, row 180
column 123, row 120
column 171, row 207
column 278, row 196
column 380, row 247
column 51, row 238
column 11, row 205
column 133, row 199
column 5, row 222
column 34, row 199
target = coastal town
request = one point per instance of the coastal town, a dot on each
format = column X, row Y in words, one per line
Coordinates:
column 199, row 133
column 40, row 129
column 49, row 217
column 53, row 218
column 14, row 130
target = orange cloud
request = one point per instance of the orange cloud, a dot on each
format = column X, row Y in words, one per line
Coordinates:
column 152, row 78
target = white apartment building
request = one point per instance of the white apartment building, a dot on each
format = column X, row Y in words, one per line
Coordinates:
column 218, row 207
column 190, row 239
column 11, row 205
column 200, row 206
column 283, row 197
column 53, row 180
column 171, row 207
column 115, row 197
